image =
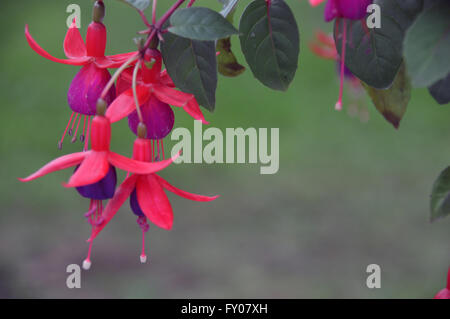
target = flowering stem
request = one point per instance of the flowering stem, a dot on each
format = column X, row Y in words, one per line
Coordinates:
column 136, row 100
column 191, row 2
column 116, row 75
column 144, row 19
column 154, row 11
column 167, row 15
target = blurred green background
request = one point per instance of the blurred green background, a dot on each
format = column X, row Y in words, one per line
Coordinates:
column 347, row 194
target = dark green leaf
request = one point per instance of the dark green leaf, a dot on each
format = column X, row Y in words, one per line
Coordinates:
column 192, row 67
column 392, row 102
column 199, row 23
column 440, row 196
column 427, row 46
column 440, row 91
column 270, row 46
column 138, row 4
column 375, row 55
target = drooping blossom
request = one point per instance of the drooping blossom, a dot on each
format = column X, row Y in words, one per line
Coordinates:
column 345, row 10
column 155, row 93
column 95, row 163
column 324, row 47
column 444, row 293
column 92, row 78
column 146, row 194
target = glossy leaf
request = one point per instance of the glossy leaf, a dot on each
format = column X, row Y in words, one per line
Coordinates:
column 427, row 46
column 192, row 66
column 440, row 196
column 199, row 23
column 270, row 45
column 392, row 102
column 375, row 55
column 138, row 4
column 440, row 91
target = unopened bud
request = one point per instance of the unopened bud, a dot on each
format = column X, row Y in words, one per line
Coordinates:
column 98, row 12
column 142, row 130
column 101, row 107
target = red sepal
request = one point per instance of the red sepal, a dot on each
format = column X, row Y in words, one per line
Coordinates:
column 182, row 193
column 154, row 202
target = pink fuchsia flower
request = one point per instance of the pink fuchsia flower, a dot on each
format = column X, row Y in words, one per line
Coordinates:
column 444, row 293
column 95, row 164
column 347, row 10
column 324, row 47
column 151, row 82
column 147, row 197
column 90, row 81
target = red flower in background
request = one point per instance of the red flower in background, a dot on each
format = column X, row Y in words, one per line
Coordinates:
column 324, row 47
column 346, row 10
column 444, row 293
column 90, row 81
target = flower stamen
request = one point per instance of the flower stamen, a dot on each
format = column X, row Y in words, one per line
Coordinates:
column 338, row 105
column 60, row 143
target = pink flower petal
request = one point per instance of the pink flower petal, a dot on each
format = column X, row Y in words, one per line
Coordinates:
column 93, row 168
column 57, row 165
column 113, row 61
column 182, row 193
column 165, row 79
column 124, row 104
column 154, row 202
column 37, row 48
column 120, row 196
column 177, row 98
column 138, row 167
column 315, row 2
column 74, row 46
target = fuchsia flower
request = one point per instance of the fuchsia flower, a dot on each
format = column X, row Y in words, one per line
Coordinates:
column 147, row 197
column 444, row 293
column 90, row 81
column 347, row 10
column 153, row 86
column 324, row 47
column 95, row 164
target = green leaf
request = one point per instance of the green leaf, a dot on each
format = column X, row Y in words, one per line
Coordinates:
column 427, row 46
column 440, row 91
column 375, row 55
column 199, row 23
column 192, row 66
column 138, row 4
column 440, row 196
column 270, row 46
column 392, row 102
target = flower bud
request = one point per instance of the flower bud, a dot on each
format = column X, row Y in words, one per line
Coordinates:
column 98, row 12
column 101, row 107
